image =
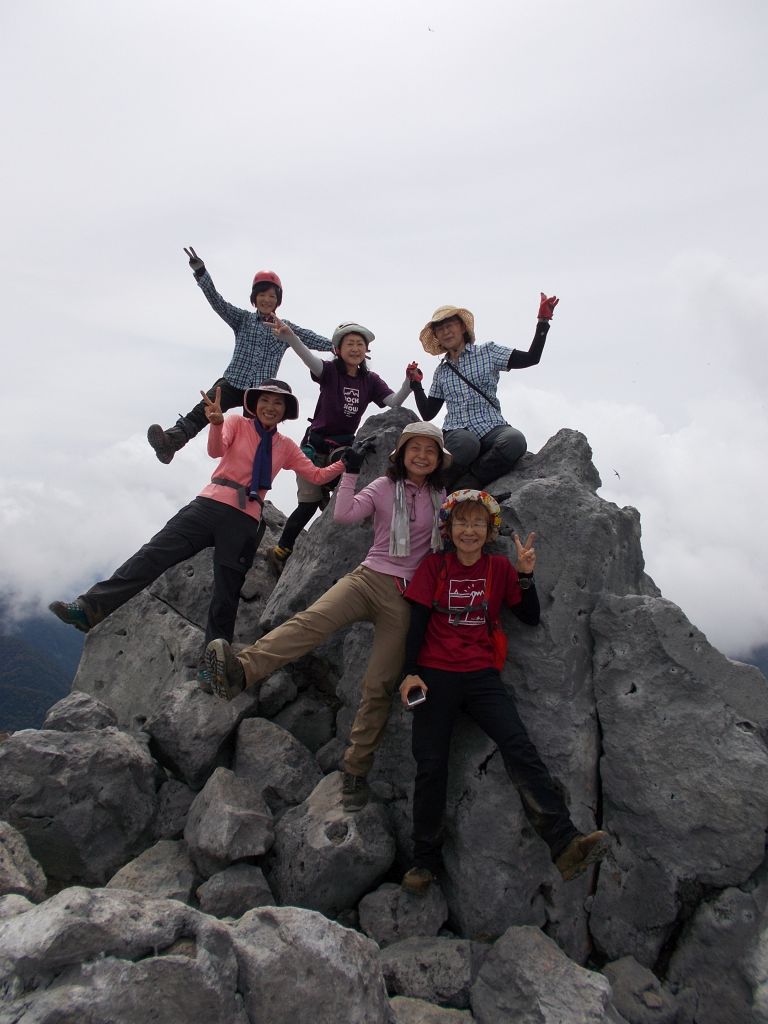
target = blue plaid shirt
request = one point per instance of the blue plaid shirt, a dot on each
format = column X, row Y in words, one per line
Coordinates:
column 257, row 352
column 465, row 409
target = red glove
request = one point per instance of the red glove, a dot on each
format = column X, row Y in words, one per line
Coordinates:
column 547, row 307
column 412, row 372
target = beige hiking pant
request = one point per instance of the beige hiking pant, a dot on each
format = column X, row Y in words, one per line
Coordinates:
column 361, row 596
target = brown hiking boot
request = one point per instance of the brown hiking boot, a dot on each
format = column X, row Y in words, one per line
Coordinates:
column 417, row 881
column 166, row 442
column 354, row 792
column 581, row 852
column 227, row 674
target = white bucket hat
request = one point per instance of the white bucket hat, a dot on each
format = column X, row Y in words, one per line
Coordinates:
column 421, row 429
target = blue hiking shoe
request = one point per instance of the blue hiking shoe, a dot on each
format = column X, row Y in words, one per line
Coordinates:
column 71, row 612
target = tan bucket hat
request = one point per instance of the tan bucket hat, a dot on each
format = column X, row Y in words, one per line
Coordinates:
column 421, row 429
column 427, row 336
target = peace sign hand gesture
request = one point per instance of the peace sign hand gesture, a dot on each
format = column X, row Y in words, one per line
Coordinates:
column 526, row 554
column 213, row 412
column 279, row 329
column 195, row 262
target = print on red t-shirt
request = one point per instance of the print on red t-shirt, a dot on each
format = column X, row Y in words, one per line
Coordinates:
column 467, row 594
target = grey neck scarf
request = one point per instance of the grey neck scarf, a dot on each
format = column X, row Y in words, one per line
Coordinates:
column 400, row 530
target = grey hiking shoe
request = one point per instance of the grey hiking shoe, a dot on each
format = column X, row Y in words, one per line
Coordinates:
column 204, row 680
column 227, row 674
column 165, row 442
column 581, row 852
column 354, row 792
column 71, row 612
column 417, row 881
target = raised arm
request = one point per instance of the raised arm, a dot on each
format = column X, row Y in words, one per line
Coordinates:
column 229, row 314
column 518, row 360
column 398, row 397
column 284, row 333
column 310, row 339
column 351, row 507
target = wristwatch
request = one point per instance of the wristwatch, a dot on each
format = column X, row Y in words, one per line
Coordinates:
column 526, row 582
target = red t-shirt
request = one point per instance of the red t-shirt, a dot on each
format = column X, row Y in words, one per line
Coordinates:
column 458, row 641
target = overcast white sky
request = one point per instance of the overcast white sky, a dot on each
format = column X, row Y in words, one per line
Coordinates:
column 385, row 159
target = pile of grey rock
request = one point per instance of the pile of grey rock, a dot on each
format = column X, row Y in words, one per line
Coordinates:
column 167, row 856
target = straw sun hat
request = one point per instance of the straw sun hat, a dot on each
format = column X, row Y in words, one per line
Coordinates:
column 427, row 335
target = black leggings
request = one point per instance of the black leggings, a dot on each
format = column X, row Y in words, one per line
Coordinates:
column 483, row 696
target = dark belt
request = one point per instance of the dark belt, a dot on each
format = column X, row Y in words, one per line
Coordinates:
column 243, row 494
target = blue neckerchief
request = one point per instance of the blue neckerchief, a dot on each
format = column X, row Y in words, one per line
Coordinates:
column 261, row 477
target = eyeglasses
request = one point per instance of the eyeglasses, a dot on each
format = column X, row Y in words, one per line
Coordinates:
column 442, row 324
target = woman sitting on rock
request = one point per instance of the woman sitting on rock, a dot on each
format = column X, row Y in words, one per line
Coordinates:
column 484, row 446
column 405, row 505
column 453, row 657
column 226, row 515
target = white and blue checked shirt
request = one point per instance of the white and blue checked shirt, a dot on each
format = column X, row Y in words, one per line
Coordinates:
column 258, row 352
column 465, row 409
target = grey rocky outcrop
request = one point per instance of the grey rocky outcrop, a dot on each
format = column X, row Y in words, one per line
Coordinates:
column 324, row 858
column 438, row 970
column 235, row 890
column 79, row 711
column 19, row 871
column 165, row 870
column 526, row 978
column 637, row 994
column 276, row 764
column 390, row 915
column 194, row 732
column 419, row 1011
column 228, row 821
column 651, row 733
column 83, row 801
column 333, row 971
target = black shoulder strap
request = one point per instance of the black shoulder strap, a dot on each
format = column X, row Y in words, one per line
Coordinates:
column 491, row 401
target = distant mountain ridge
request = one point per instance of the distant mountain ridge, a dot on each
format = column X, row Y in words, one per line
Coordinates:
column 38, row 660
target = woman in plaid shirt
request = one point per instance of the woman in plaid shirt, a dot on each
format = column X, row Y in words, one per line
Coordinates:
column 257, row 355
column 484, row 446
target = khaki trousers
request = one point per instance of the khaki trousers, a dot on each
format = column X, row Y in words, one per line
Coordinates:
column 361, row 596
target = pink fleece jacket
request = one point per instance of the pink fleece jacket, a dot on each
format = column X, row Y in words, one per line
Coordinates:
column 377, row 500
column 235, row 441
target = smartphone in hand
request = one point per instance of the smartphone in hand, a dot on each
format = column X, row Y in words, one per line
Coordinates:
column 415, row 696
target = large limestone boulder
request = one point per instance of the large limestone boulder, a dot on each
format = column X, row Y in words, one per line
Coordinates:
column 228, row 820
column 526, row 979
column 165, row 870
column 83, row 801
column 684, row 771
column 296, row 965
column 439, row 970
column 194, row 732
column 276, row 764
column 78, row 711
column 325, row 859
column 19, row 871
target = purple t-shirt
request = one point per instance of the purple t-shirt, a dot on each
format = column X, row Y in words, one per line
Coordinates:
column 344, row 399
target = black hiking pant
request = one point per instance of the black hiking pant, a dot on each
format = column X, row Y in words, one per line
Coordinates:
column 203, row 523
column 483, row 697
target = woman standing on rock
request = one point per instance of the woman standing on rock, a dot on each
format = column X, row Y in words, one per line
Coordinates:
column 226, row 515
column 347, row 388
column 453, row 655
column 405, row 505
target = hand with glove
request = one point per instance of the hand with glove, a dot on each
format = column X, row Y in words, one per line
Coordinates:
column 547, row 306
column 197, row 265
column 354, row 457
column 413, row 373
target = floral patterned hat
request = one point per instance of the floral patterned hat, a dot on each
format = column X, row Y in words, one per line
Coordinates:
column 468, row 494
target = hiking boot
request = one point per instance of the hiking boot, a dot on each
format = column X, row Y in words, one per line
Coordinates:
column 354, row 792
column 166, row 442
column 277, row 557
column 227, row 675
column 71, row 612
column 417, row 881
column 581, row 852
column 204, row 680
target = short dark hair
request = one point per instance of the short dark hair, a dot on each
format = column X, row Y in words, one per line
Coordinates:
column 264, row 286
